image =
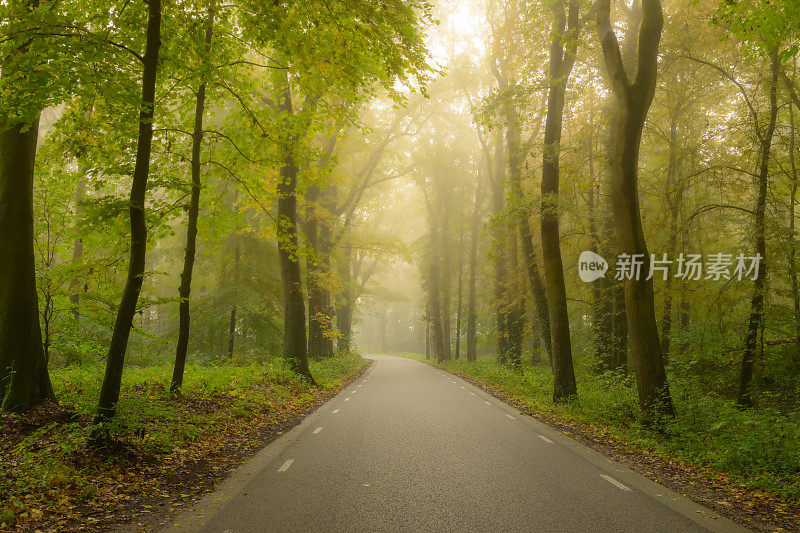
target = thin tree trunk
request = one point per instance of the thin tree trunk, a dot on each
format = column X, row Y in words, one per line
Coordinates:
column 445, row 274
column 792, row 230
column 676, row 205
column 472, row 305
column 344, row 315
column 562, row 58
column 759, row 285
column 516, row 305
column 109, row 393
column 524, row 229
column 77, row 252
column 191, row 224
column 460, row 280
column 294, row 310
column 313, row 272
column 498, row 250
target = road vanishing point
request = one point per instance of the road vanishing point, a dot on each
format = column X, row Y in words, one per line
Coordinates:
column 409, row 447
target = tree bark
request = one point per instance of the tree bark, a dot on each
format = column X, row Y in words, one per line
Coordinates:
column 294, row 310
column 562, row 58
column 634, row 101
column 109, row 393
column 472, row 305
column 756, row 318
column 184, row 290
column 445, row 274
column 344, row 316
column 77, row 252
column 24, row 379
column 460, row 283
column 792, row 229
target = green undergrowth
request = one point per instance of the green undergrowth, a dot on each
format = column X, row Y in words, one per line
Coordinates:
column 759, row 447
column 49, row 471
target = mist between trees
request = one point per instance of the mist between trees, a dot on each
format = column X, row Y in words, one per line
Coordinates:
column 213, row 182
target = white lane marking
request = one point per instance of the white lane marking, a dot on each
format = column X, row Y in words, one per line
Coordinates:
column 487, row 403
column 347, row 399
column 317, row 430
column 463, row 387
column 545, row 439
column 511, row 417
column 286, row 465
column 360, row 385
column 335, row 411
column 473, row 393
column 614, row 482
column 353, row 392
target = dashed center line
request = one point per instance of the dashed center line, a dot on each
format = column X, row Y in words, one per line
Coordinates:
column 335, row 411
column 317, row 430
column 487, row 403
column 463, row 387
column 285, row 466
column 511, row 417
column 615, row 482
column 347, row 399
column 545, row 439
column 473, row 393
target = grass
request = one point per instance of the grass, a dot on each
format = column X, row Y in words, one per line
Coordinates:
column 49, row 472
column 760, row 448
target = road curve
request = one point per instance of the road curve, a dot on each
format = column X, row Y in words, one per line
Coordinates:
column 408, row 447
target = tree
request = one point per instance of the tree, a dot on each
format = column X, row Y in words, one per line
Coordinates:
column 634, row 99
column 24, row 378
column 194, row 210
column 562, row 58
column 109, row 393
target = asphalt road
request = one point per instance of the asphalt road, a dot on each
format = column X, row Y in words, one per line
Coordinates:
column 408, row 447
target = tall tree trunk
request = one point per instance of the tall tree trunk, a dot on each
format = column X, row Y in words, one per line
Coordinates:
column 24, row 379
column 109, row 393
column 445, row 274
column 634, row 100
column 523, row 227
column 428, row 329
column 313, row 273
column 792, row 230
column 434, row 295
column 472, row 305
column 562, row 58
column 498, row 250
column 294, row 309
column 516, row 305
column 675, row 185
column 460, row 283
column 185, row 287
column 236, row 267
column 344, row 316
column 759, row 285
column 77, row 251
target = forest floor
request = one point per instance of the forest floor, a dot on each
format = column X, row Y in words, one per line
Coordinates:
column 165, row 453
column 744, row 466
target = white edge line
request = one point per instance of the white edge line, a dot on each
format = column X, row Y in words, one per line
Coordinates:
column 545, row 439
column 317, row 430
column 511, row 417
column 335, row 411
column 285, row 466
column 615, row 482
